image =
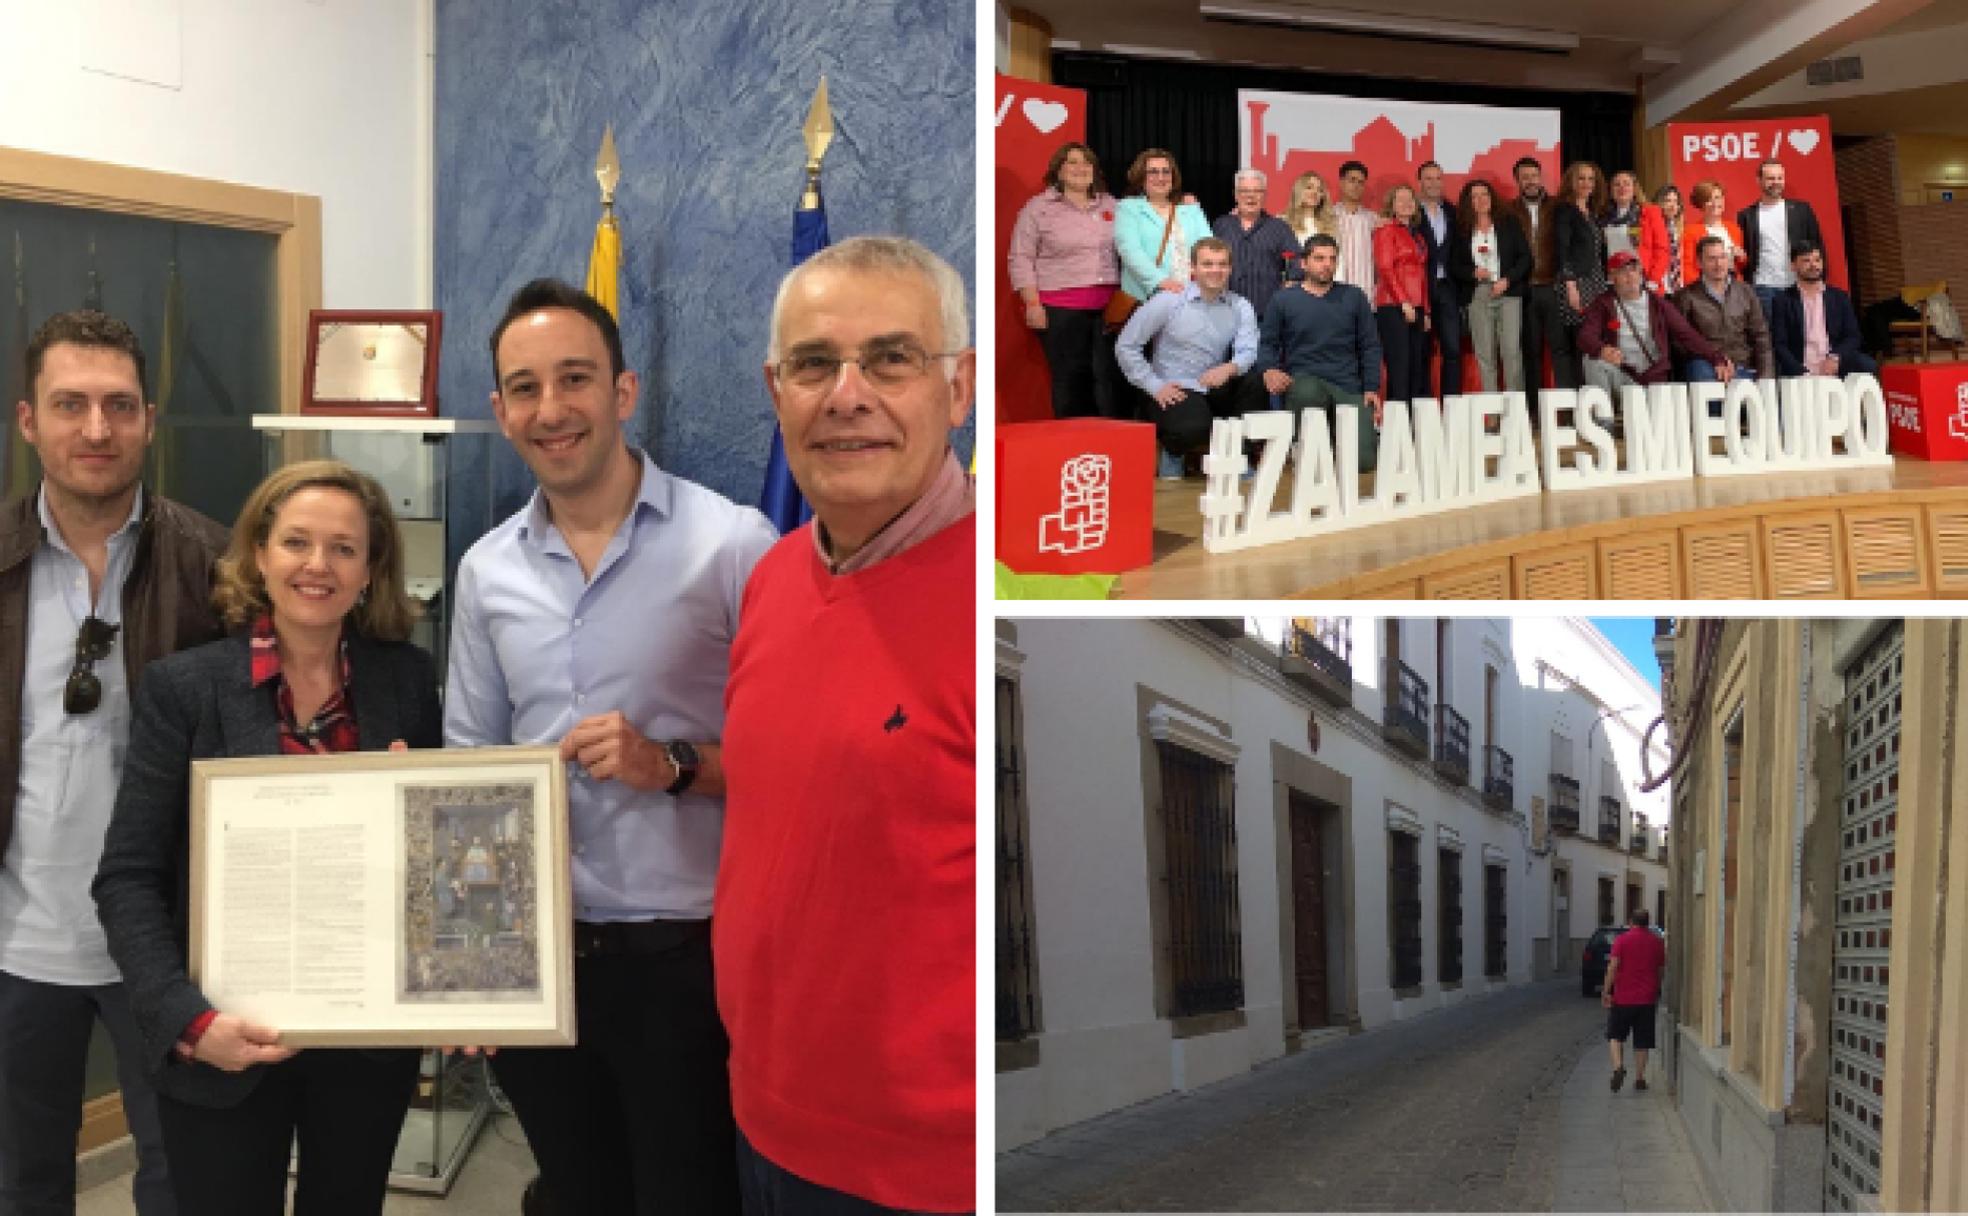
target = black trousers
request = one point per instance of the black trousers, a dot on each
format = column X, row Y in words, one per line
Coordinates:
column 773, row 1191
column 1445, row 314
column 44, row 1055
column 345, row 1106
column 1185, row 426
column 1545, row 329
column 1404, row 348
column 1080, row 354
column 637, row 1117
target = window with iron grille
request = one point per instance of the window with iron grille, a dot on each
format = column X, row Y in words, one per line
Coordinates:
column 1018, row 1003
column 1448, row 935
column 1862, row 943
column 1606, row 901
column 1404, row 907
column 1496, row 922
column 1205, row 940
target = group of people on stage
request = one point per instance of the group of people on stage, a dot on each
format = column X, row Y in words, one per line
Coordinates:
column 667, row 640
column 1146, row 311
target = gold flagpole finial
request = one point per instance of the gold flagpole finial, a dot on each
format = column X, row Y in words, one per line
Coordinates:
column 819, row 132
column 608, row 167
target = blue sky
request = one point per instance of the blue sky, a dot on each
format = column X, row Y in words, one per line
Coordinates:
column 1632, row 636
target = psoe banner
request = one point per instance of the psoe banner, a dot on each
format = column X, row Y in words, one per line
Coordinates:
column 1464, row 451
column 1033, row 120
column 1729, row 153
column 1287, row 134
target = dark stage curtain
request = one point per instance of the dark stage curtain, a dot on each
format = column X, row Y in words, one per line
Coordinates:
column 1191, row 109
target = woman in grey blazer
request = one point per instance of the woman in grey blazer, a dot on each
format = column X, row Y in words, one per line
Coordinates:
column 313, row 585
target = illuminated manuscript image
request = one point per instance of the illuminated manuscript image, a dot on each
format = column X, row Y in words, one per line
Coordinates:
column 470, row 905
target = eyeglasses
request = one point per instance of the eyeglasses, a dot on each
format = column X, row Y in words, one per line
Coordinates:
column 84, row 691
column 887, row 367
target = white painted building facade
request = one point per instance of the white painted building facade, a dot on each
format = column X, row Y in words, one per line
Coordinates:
column 1217, row 842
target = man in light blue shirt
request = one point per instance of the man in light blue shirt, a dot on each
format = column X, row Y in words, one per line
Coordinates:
column 600, row 617
column 96, row 579
column 1205, row 340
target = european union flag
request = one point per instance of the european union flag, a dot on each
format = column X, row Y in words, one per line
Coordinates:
column 781, row 499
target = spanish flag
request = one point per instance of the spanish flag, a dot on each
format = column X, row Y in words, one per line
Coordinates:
column 605, row 264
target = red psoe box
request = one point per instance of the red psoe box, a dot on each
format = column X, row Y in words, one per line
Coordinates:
column 1076, row 496
column 1927, row 409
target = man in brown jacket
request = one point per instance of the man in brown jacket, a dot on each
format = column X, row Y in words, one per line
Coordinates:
column 1544, row 329
column 97, row 578
column 1726, row 312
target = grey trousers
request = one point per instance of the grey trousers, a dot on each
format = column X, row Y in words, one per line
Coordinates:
column 44, row 1052
column 1497, row 322
column 1606, row 376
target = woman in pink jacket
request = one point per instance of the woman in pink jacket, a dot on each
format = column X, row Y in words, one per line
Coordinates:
column 1063, row 266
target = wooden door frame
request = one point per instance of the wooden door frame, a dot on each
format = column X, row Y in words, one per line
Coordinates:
column 293, row 220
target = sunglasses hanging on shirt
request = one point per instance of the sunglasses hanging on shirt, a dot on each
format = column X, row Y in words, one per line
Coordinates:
column 83, row 692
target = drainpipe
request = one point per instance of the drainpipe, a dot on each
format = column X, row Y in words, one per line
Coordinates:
column 1801, row 776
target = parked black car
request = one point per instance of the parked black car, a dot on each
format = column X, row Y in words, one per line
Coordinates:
column 1598, row 955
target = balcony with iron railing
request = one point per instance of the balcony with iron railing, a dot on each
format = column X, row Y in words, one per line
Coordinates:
column 1609, row 821
column 1320, row 661
column 1451, row 744
column 1564, row 803
column 1499, row 779
column 1405, row 720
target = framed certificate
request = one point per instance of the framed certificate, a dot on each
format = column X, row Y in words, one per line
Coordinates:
column 386, row 899
column 372, row 363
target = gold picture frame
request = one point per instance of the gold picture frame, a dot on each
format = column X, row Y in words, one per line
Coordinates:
column 386, row 899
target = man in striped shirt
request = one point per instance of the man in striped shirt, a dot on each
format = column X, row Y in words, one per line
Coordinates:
column 1356, row 228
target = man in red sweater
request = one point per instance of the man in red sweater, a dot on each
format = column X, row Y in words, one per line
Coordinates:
column 1632, row 989
column 846, row 894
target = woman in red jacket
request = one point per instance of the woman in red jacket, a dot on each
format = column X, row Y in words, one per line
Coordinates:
column 1710, row 218
column 1401, row 294
column 1636, row 225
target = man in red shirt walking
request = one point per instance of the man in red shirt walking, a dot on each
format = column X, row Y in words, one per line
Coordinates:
column 1632, row 989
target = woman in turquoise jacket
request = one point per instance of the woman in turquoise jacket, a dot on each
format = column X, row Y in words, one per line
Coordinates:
column 1141, row 219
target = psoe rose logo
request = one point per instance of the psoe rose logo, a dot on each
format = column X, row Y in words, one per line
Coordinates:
column 1080, row 524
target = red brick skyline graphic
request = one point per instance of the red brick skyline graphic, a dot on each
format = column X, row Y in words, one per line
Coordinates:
column 1391, row 158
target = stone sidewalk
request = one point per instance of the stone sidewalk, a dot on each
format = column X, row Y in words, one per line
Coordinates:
column 1625, row 1151
column 1453, row 1110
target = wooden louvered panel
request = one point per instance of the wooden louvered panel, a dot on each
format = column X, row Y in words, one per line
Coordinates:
column 1722, row 562
column 1487, row 581
column 1559, row 574
column 1644, row 567
column 1886, row 555
column 1399, row 589
column 1947, row 530
column 1801, row 556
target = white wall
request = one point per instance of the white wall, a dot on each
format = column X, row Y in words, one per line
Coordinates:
column 324, row 97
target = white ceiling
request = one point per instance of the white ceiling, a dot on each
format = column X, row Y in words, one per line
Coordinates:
column 1614, row 37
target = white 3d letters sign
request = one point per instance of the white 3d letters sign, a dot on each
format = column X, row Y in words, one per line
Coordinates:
column 1465, row 451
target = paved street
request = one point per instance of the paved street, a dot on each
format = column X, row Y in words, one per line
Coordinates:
column 1490, row 1105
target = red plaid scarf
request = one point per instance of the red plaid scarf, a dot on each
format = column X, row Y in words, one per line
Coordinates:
column 333, row 728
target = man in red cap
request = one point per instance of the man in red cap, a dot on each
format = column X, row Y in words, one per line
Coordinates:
column 1630, row 337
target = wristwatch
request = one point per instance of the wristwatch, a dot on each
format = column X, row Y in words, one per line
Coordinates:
column 685, row 757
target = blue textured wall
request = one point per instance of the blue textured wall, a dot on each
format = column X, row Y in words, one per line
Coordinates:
column 707, row 98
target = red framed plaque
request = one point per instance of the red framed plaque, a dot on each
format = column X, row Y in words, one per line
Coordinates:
column 378, row 364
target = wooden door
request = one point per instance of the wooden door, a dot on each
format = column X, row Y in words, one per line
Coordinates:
column 1309, row 914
